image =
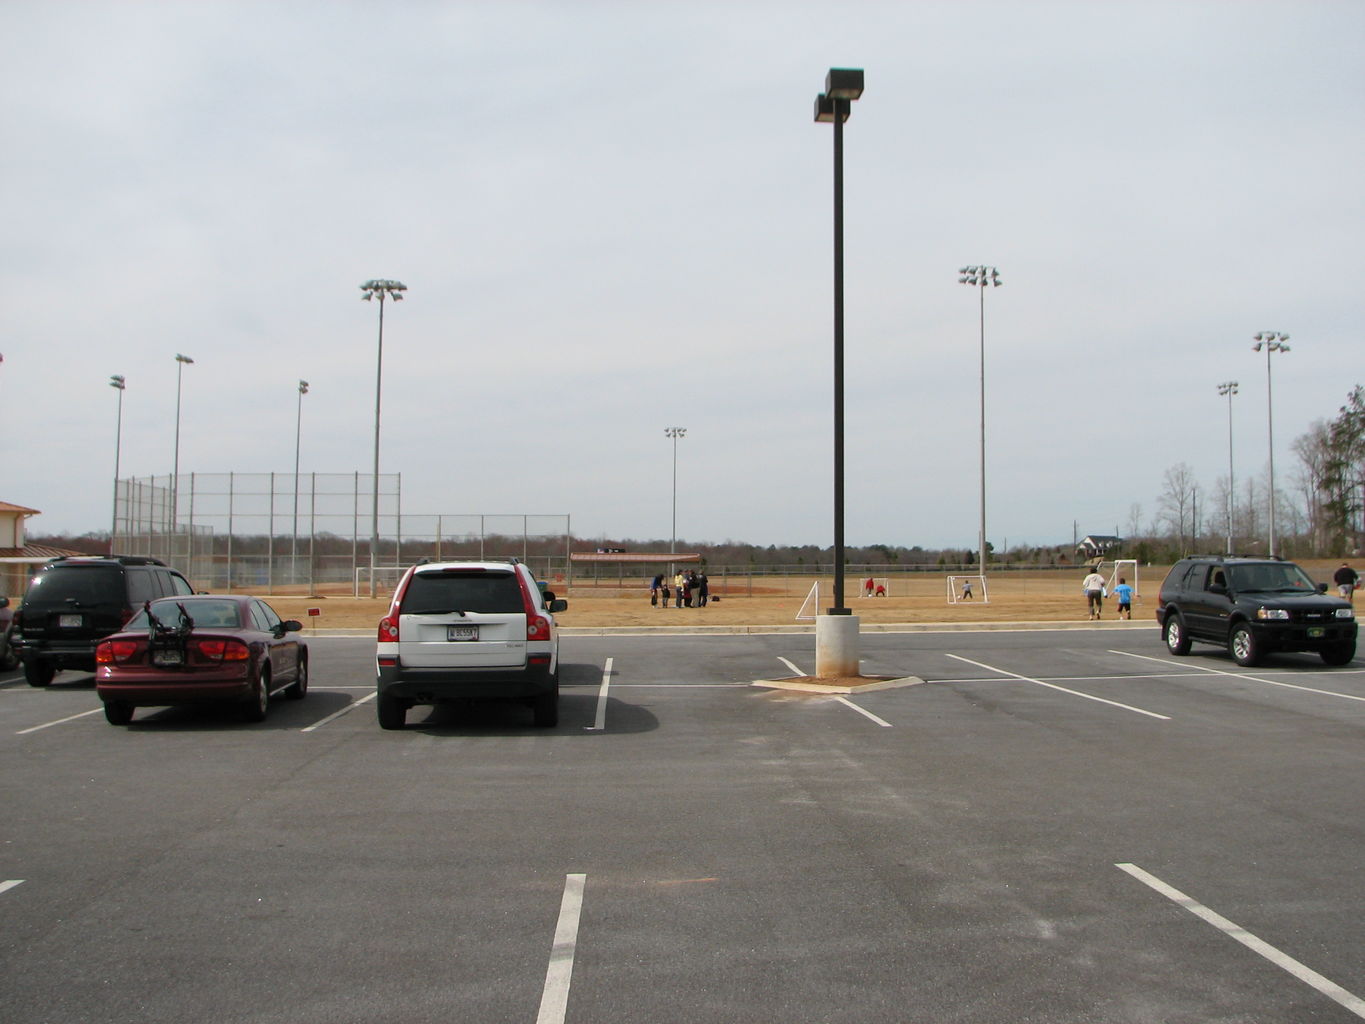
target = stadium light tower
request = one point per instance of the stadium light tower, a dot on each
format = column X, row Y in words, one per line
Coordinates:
column 1229, row 388
column 298, row 444
column 380, row 289
column 675, row 433
column 837, row 645
column 180, row 363
column 1271, row 341
column 116, row 380
column 979, row 278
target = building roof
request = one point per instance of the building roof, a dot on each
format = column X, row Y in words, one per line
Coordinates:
column 5, row 506
column 34, row 553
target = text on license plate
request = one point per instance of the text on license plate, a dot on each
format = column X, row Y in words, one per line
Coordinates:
column 1316, row 631
column 462, row 633
column 167, row 658
column 70, row 621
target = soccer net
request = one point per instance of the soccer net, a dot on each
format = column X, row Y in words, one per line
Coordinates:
column 1125, row 568
column 810, row 608
column 386, row 579
column 875, row 586
column 967, row 588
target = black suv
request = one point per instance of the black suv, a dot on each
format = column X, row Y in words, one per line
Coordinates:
column 1253, row 606
column 73, row 603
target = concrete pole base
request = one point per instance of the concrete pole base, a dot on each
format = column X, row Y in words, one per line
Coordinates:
column 836, row 645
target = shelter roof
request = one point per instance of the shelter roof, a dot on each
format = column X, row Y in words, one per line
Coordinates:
column 633, row 557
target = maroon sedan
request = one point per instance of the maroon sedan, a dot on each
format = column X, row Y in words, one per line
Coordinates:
column 202, row 648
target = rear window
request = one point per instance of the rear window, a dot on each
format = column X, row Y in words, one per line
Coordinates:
column 434, row 593
column 204, row 614
column 69, row 586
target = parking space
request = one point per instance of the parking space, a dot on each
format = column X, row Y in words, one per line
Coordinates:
column 1058, row 826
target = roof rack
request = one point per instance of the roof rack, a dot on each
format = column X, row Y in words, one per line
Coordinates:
column 121, row 559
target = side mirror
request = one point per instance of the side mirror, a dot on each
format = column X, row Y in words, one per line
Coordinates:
column 4, row 602
column 558, row 605
column 1322, row 588
column 290, row 626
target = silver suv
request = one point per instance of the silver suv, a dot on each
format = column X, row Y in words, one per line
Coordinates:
column 462, row 630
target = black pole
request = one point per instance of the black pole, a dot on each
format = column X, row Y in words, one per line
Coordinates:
column 840, row 112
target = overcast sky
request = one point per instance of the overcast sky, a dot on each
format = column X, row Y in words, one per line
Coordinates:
column 614, row 218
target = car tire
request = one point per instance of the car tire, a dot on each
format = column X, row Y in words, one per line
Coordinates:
column 545, row 709
column 9, row 657
column 1177, row 640
column 118, row 712
column 1339, row 654
column 393, row 713
column 1243, row 645
column 39, row 672
column 299, row 688
column 258, row 704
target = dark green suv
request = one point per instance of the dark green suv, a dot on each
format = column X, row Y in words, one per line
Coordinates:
column 1253, row 606
column 74, row 603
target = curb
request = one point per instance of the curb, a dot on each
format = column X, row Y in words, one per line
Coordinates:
column 867, row 627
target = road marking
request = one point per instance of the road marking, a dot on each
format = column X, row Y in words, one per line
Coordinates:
column 795, row 670
column 344, row 711
column 1243, row 675
column 49, row 725
column 1054, row 686
column 863, row 711
column 1282, row 960
column 6, row 886
column 600, row 722
column 554, row 1001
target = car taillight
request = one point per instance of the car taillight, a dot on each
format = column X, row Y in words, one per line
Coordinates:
column 223, row 650
column 388, row 629
column 537, row 627
column 112, row 651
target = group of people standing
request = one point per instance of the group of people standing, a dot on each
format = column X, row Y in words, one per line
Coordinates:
column 690, row 589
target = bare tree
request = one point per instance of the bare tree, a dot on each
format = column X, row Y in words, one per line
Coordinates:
column 1177, row 500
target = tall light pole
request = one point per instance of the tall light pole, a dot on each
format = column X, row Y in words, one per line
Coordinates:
column 979, row 278
column 675, row 433
column 116, row 380
column 298, row 442
column 180, row 363
column 1229, row 388
column 380, row 289
column 1271, row 341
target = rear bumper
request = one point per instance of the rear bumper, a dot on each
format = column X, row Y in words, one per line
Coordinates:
column 72, row 654
column 153, row 689
column 429, row 685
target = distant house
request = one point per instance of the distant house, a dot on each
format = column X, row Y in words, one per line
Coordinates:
column 17, row 557
column 1097, row 545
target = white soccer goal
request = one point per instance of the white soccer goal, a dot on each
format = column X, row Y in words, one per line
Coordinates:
column 881, row 586
column 810, row 608
column 962, row 589
column 1128, row 569
column 386, row 579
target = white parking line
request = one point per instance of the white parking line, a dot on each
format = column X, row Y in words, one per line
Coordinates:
column 600, row 722
column 795, row 671
column 1249, row 678
column 337, row 714
column 6, row 886
column 1282, row 960
column 863, row 711
column 49, row 725
column 1053, row 686
column 554, row 1000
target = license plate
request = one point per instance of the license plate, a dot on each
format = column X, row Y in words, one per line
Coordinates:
column 167, row 658
column 454, row 633
column 1316, row 631
column 70, row 621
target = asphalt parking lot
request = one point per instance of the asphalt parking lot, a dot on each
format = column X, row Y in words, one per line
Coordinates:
column 1057, row 826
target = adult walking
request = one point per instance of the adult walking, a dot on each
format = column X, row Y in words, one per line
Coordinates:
column 1093, row 585
column 1347, row 581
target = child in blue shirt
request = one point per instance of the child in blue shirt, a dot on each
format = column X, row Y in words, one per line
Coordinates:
column 1125, row 595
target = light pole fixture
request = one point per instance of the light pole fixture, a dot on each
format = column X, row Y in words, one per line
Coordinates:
column 380, row 289
column 842, row 87
column 1229, row 388
column 979, row 278
column 116, row 380
column 1271, row 341
column 180, row 363
column 675, row 433
column 298, row 439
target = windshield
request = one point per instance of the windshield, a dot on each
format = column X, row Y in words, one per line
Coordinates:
column 1271, row 577
column 221, row 614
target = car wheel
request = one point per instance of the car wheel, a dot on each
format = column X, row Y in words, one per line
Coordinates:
column 299, row 688
column 1243, row 646
column 393, row 713
column 545, row 709
column 118, row 712
column 39, row 672
column 1339, row 654
column 259, row 702
column 9, row 658
column 1177, row 640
